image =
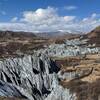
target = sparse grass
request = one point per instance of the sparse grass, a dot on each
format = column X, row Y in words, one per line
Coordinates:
column 84, row 90
column 87, row 88
column 25, row 45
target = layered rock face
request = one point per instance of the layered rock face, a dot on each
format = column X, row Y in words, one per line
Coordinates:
column 33, row 77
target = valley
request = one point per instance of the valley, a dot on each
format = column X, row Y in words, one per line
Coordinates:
column 49, row 68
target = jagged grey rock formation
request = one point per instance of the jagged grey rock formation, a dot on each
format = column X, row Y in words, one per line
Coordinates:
column 33, row 73
column 59, row 93
column 33, row 77
column 75, row 47
column 7, row 89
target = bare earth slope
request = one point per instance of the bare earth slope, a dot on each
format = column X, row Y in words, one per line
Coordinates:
column 13, row 43
column 86, row 83
column 94, row 36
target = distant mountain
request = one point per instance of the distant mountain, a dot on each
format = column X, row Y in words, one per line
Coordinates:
column 20, row 34
column 17, row 43
column 58, row 33
column 11, row 34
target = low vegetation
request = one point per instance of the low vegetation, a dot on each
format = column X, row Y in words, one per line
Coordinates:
column 84, row 90
column 86, row 87
column 14, row 43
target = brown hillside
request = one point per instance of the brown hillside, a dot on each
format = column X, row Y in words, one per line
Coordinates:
column 94, row 36
column 14, row 43
column 94, row 33
column 11, row 34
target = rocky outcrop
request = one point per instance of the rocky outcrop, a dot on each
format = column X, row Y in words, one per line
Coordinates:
column 59, row 93
column 31, row 73
column 74, row 47
column 32, row 77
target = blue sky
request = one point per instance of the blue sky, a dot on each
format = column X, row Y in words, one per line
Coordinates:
column 15, row 12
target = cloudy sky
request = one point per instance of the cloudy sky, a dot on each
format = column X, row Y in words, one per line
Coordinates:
column 49, row 15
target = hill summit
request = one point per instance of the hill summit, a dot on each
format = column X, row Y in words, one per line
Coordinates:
column 94, row 33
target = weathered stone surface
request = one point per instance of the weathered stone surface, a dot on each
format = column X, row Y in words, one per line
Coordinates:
column 59, row 93
column 31, row 76
column 74, row 47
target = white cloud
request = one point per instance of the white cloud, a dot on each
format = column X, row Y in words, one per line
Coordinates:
column 70, row 7
column 49, row 20
column 93, row 15
column 89, row 20
column 14, row 19
column 69, row 18
column 46, row 19
column 45, row 16
column 15, row 27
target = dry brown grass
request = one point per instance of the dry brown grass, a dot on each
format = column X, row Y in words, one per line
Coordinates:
column 88, row 87
column 12, row 47
column 84, row 90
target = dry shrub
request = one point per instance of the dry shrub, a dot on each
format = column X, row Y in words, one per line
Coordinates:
column 68, row 62
column 84, row 90
column 13, row 46
column 59, row 41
